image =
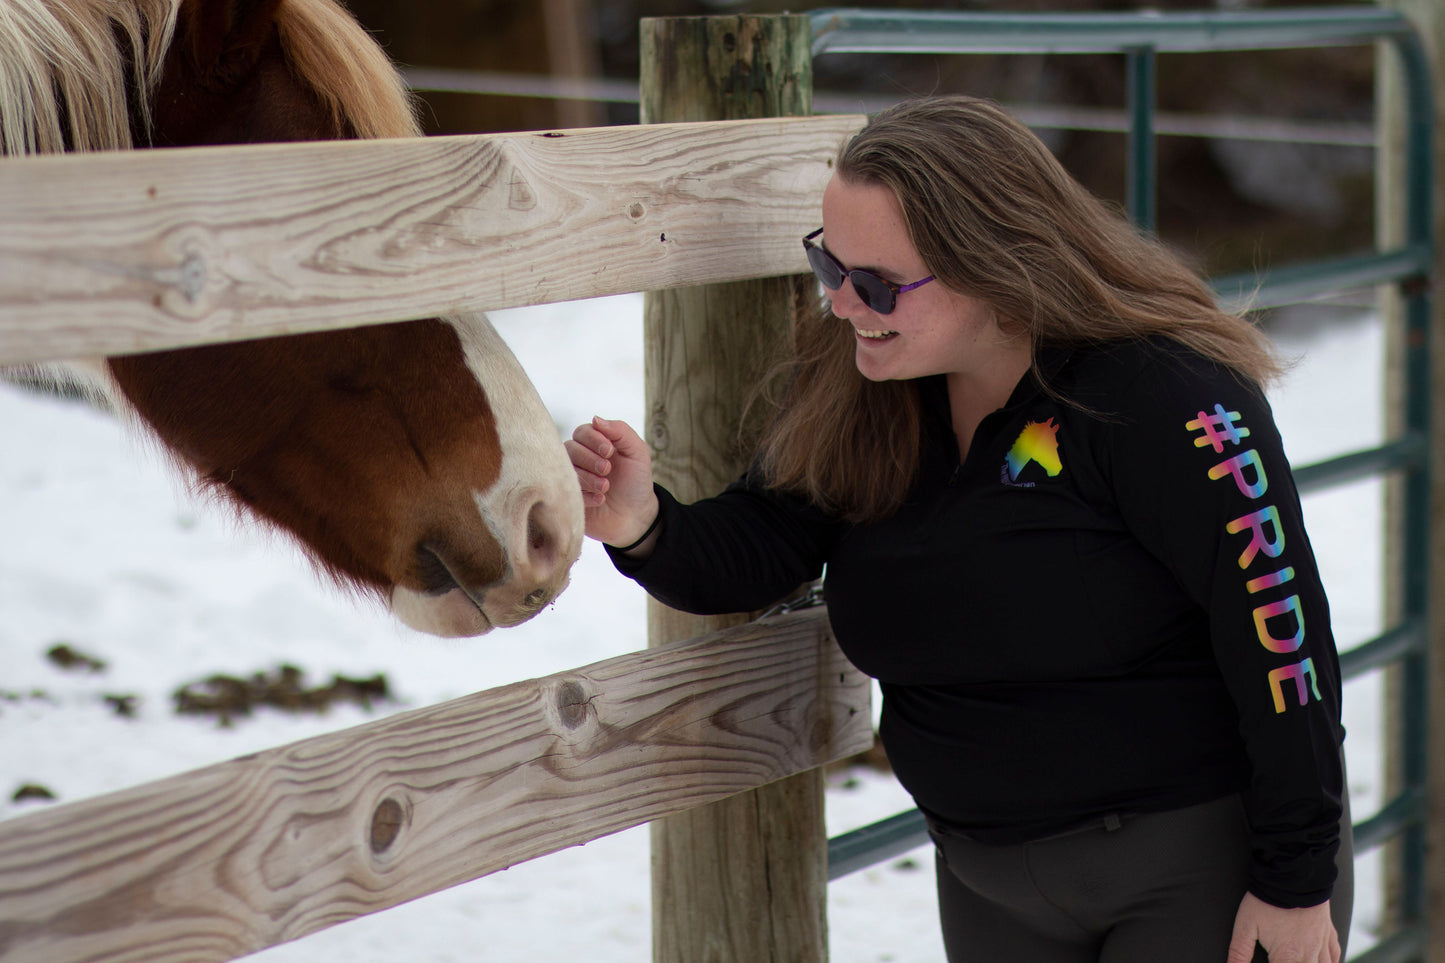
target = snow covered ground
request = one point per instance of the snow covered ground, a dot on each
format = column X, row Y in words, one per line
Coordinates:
column 102, row 549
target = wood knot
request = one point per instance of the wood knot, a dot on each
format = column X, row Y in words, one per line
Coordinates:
column 657, row 430
column 386, row 825
column 521, row 198
column 636, row 210
column 572, row 704
column 192, row 279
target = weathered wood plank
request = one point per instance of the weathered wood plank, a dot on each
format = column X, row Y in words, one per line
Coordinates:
column 745, row 878
column 1424, row 907
column 115, row 253
column 227, row 860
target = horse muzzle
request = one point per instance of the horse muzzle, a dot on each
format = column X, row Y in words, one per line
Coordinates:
column 540, row 535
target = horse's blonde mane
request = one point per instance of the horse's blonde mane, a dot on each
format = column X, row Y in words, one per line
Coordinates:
column 347, row 68
column 63, row 70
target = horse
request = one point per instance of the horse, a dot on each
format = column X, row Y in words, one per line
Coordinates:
column 412, row 461
column 1038, row 442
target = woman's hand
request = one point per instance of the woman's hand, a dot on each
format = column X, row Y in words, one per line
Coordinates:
column 614, row 470
column 1289, row 935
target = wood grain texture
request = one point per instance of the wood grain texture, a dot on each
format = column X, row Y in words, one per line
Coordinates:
column 1428, row 19
column 230, row 859
column 117, row 253
column 744, row 878
column 725, row 68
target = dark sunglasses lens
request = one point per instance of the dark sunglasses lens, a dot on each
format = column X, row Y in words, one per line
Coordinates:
column 825, row 268
column 873, row 291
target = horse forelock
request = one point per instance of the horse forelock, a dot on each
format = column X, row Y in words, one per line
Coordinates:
column 69, row 68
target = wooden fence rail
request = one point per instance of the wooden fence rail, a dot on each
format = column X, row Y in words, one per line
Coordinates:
column 140, row 250
column 106, row 254
column 230, row 859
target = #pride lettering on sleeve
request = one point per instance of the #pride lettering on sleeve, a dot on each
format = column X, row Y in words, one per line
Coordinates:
column 1279, row 623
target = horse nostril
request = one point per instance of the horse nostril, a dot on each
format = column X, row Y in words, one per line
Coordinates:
column 542, row 564
column 542, row 544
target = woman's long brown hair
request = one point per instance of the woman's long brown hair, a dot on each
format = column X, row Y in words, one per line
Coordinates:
column 994, row 216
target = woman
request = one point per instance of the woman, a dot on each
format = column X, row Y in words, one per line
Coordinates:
column 1060, row 530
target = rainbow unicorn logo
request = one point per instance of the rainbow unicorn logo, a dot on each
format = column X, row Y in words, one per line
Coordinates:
column 1037, row 442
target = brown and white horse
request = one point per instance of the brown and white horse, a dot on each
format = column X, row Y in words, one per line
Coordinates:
column 412, row 460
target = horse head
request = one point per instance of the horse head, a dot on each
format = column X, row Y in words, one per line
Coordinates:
column 1037, row 442
column 411, row 460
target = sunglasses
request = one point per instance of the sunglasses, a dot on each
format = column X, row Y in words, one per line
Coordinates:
column 878, row 295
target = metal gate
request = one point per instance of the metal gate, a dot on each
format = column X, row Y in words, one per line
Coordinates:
column 1141, row 37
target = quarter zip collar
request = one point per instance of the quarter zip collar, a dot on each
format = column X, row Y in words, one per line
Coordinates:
column 1051, row 360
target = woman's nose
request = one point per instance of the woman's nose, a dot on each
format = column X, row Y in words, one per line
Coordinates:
column 845, row 300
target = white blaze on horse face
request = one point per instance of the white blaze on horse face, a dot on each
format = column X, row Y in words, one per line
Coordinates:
column 534, row 509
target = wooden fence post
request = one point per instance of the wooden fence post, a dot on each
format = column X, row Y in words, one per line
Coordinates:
column 744, row 879
column 1428, row 18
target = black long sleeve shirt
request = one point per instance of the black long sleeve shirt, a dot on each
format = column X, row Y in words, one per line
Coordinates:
column 1109, row 606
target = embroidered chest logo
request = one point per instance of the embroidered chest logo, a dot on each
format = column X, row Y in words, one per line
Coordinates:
column 1038, row 443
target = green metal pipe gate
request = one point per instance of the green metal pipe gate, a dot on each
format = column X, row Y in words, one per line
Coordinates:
column 1140, row 38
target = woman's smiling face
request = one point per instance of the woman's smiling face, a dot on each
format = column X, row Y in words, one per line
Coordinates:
column 932, row 329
